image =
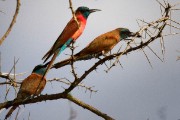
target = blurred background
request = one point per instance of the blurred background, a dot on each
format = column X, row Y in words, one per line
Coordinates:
column 134, row 92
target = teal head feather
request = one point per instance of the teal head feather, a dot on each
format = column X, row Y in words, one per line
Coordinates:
column 86, row 11
column 40, row 69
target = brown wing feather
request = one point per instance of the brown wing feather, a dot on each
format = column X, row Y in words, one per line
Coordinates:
column 30, row 85
column 104, row 42
column 28, row 88
column 67, row 33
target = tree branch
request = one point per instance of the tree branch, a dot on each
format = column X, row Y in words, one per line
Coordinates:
column 73, row 13
column 12, row 23
column 34, row 100
column 88, row 107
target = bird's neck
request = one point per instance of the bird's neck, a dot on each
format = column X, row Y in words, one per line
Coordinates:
column 81, row 18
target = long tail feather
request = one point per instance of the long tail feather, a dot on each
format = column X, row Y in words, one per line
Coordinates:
column 10, row 112
column 77, row 57
column 62, row 63
column 50, row 63
column 46, row 56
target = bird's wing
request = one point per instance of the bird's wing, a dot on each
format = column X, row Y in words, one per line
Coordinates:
column 101, row 43
column 30, row 84
column 67, row 33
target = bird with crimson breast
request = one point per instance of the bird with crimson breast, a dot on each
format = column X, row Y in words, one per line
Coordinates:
column 69, row 35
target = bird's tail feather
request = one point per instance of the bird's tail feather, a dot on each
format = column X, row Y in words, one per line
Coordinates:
column 46, row 56
column 50, row 64
column 75, row 58
column 10, row 112
column 63, row 63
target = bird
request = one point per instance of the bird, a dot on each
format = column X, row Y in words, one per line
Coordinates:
column 101, row 45
column 69, row 35
column 33, row 85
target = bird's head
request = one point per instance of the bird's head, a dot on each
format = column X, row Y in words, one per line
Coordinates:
column 40, row 69
column 86, row 11
column 125, row 33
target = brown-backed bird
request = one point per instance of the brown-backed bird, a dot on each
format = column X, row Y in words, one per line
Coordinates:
column 31, row 86
column 99, row 46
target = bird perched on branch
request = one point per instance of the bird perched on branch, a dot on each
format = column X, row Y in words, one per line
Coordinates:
column 69, row 35
column 99, row 46
column 31, row 86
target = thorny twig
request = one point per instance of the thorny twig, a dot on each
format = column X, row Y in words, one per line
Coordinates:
column 72, row 62
column 68, row 82
column 157, row 27
column 10, row 78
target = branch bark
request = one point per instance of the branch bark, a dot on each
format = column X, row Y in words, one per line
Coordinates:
column 88, row 107
column 12, row 23
column 55, row 97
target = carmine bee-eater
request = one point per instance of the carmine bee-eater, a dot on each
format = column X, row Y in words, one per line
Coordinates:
column 99, row 46
column 31, row 86
column 69, row 35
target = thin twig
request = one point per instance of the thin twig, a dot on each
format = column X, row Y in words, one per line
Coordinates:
column 72, row 62
column 17, row 114
column 73, row 13
column 67, row 82
column 155, row 53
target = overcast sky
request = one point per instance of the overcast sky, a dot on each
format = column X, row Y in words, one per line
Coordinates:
column 134, row 92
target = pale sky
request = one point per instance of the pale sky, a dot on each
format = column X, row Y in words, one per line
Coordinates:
column 134, row 92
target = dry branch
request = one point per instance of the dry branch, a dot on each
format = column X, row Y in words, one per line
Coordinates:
column 55, row 97
column 88, row 107
column 12, row 22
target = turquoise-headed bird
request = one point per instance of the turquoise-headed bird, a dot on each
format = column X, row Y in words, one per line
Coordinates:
column 33, row 85
column 69, row 35
column 99, row 46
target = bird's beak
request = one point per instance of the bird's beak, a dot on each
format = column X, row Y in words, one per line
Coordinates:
column 132, row 34
column 94, row 10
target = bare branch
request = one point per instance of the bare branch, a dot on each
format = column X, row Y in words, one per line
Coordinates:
column 72, row 63
column 88, row 107
column 12, row 22
column 155, row 53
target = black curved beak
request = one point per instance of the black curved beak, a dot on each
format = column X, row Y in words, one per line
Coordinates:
column 94, row 10
column 132, row 34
